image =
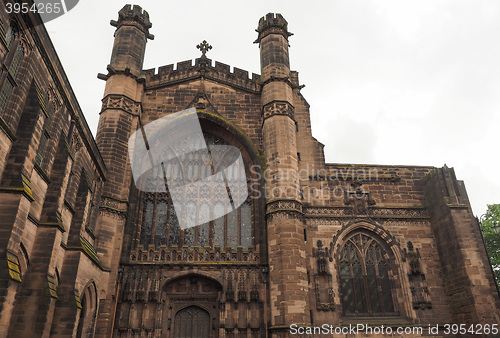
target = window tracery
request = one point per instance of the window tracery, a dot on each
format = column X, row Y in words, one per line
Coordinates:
column 160, row 220
column 364, row 277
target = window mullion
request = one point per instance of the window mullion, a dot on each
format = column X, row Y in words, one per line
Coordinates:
column 153, row 225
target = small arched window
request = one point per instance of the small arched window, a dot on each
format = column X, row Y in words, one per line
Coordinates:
column 364, row 277
column 160, row 220
column 48, row 109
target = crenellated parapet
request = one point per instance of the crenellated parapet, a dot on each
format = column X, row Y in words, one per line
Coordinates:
column 186, row 71
column 272, row 24
column 133, row 15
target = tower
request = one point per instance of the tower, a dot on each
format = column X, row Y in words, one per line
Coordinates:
column 285, row 228
column 119, row 118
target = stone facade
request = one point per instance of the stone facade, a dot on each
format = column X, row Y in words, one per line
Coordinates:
column 85, row 253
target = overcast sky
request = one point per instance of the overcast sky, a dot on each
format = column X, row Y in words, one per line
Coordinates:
column 389, row 82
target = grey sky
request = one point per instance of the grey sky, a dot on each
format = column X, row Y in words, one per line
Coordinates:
column 389, row 82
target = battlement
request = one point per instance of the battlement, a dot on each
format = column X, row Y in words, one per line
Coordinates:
column 272, row 20
column 186, row 70
column 272, row 23
column 133, row 13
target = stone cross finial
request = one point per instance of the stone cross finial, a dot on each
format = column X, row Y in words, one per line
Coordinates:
column 204, row 47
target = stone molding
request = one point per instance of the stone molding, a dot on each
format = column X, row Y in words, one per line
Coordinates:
column 194, row 256
column 117, row 209
column 121, row 102
column 283, row 205
column 278, row 108
column 373, row 212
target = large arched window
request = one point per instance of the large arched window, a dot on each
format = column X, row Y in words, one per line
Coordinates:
column 13, row 62
column 364, row 277
column 160, row 220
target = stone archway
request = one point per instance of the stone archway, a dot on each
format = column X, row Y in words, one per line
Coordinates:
column 191, row 307
column 88, row 311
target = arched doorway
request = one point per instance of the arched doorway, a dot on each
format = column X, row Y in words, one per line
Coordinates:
column 192, row 322
column 191, row 307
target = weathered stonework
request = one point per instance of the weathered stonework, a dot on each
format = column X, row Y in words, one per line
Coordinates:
column 79, row 258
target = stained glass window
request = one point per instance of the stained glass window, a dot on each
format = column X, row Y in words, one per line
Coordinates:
column 364, row 277
column 147, row 222
column 9, row 36
column 232, row 229
column 16, row 61
column 219, row 234
column 174, row 230
column 160, row 223
column 246, row 226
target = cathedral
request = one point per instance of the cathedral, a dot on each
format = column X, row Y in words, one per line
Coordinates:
column 304, row 248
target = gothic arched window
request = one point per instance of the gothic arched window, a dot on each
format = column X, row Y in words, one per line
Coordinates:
column 364, row 277
column 160, row 220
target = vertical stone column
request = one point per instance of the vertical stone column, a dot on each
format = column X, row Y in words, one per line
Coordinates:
column 119, row 118
column 285, row 228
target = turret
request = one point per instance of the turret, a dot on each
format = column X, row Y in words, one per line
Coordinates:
column 132, row 32
column 274, row 61
column 285, row 226
column 277, row 104
column 119, row 118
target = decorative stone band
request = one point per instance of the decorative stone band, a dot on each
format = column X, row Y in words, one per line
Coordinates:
column 196, row 255
column 278, row 108
column 283, row 210
column 373, row 212
column 278, row 79
column 114, row 207
column 283, row 205
column 121, row 102
column 115, row 203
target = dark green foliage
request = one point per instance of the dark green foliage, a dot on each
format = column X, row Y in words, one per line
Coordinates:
column 492, row 238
